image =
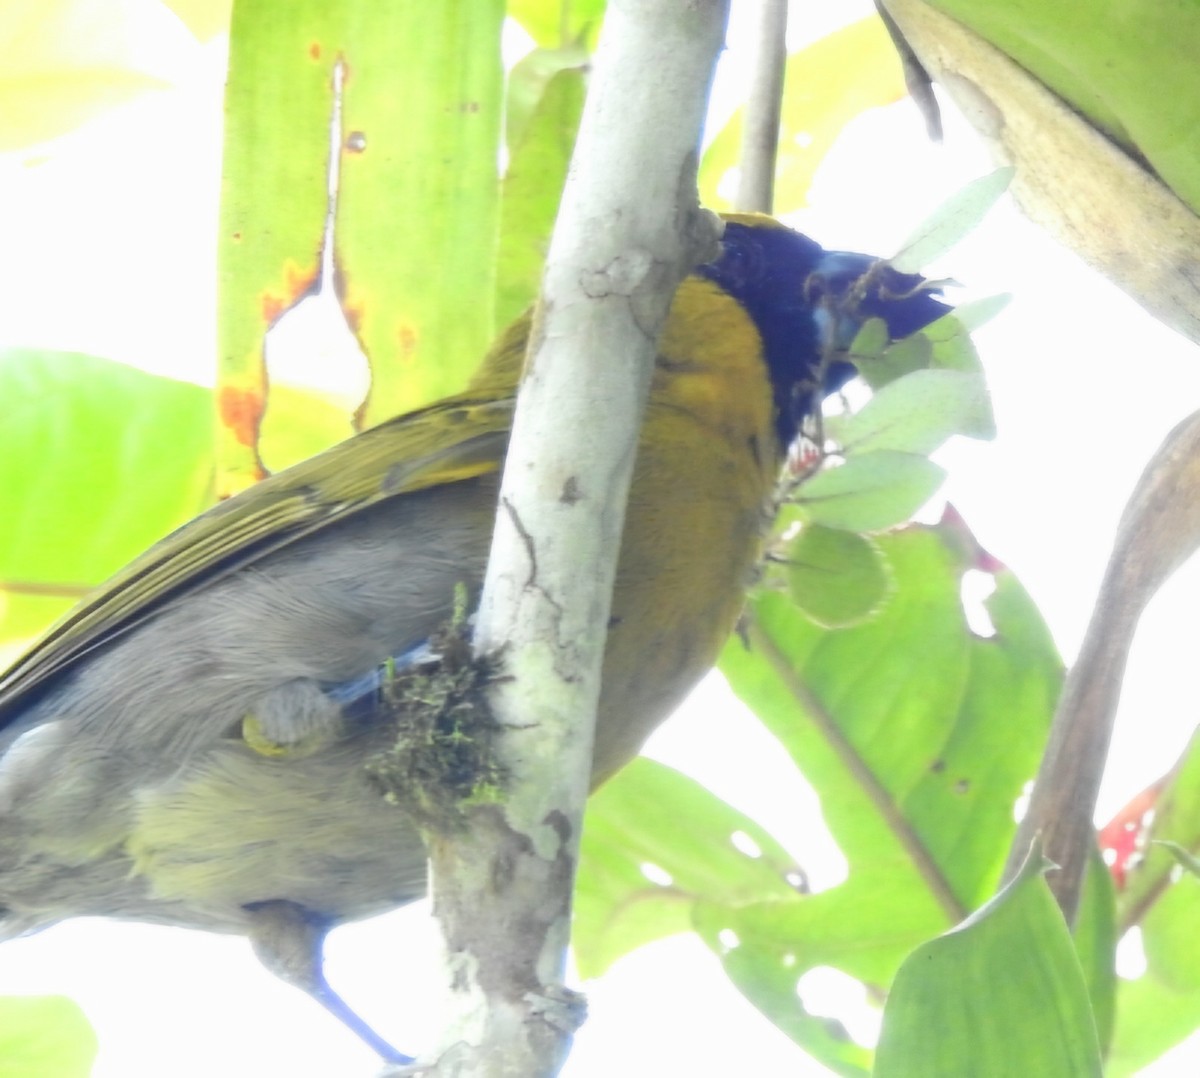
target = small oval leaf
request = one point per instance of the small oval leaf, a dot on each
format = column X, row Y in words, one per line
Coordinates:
column 912, row 353
column 952, row 220
column 978, row 312
column 870, row 492
column 917, row 413
column 837, row 578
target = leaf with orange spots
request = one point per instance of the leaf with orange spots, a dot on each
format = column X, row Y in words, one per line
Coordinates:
column 419, row 200
column 407, row 100
column 239, row 411
column 274, row 300
column 827, row 84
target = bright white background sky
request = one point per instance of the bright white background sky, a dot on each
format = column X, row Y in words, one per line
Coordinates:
column 108, row 239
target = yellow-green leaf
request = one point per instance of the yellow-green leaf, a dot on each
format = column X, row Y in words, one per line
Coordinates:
column 62, row 62
column 45, row 1037
column 836, row 577
column 415, row 138
column 825, row 87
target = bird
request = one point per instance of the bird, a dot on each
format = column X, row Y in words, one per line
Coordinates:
column 191, row 744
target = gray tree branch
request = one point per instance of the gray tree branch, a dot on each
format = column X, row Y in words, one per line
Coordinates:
column 629, row 229
column 760, row 131
column 1159, row 531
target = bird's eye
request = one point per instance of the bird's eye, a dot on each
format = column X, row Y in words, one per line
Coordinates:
column 742, row 264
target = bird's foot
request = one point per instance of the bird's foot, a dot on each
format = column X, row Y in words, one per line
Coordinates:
column 559, row 1006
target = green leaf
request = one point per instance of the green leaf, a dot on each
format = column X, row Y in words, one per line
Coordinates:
column 1168, row 936
column 1186, row 858
column 1162, row 1006
column 951, row 221
column 64, row 62
column 1095, row 937
column 869, row 342
column 299, row 424
column 836, row 577
column 85, row 483
column 894, row 361
column 45, row 1037
column 205, row 18
column 540, row 139
column 918, row 736
column 528, row 83
column 858, row 928
column 1177, row 821
column 825, row 86
column 554, row 23
column 916, row 414
column 1129, row 72
column 766, row 946
column 654, row 843
column 870, row 491
column 953, row 349
column 978, row 312
column 414, row 228
column 943, row 345
column 1001, row 995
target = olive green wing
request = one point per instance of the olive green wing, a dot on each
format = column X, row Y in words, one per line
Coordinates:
column 448, row 442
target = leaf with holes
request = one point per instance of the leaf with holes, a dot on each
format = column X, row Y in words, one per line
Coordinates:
column 918, row 735
column 655, row 842
column 413, row 142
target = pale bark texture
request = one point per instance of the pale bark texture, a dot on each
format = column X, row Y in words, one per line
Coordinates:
column 629, row 229
column 1072, row 180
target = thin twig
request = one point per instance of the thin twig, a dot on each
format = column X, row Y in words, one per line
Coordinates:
column 1159, row 530
column 760, row 132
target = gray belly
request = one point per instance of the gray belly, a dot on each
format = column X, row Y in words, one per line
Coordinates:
column 128, row 791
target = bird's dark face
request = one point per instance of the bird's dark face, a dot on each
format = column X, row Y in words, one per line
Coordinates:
column 799, row 296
